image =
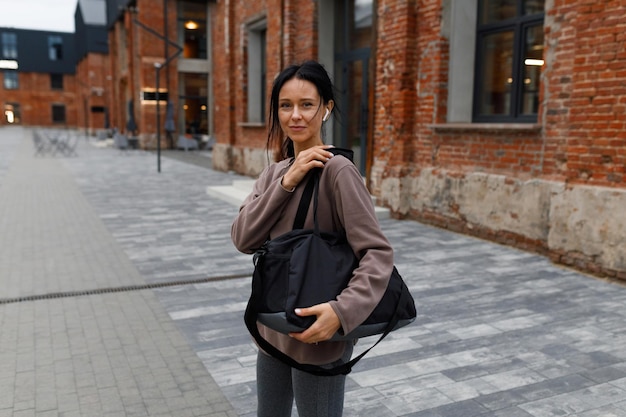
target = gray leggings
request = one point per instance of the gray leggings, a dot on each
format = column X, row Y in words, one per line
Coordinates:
column 316, row 396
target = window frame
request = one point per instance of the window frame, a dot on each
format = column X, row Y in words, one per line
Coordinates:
column 55, row 48
column 186, row 15
column 56, row 81
column 55, row 106
column 519, row 26
column 12, row 82
column 256, row 52
column 9, row 45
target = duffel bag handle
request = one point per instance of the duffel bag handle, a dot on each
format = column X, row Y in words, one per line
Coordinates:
column 250, row 318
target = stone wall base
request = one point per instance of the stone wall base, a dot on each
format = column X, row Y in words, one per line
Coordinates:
column 576, row 225
column 245, row 161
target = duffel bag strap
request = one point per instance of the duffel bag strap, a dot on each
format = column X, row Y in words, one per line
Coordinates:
column 250, row 318
column 305, row 202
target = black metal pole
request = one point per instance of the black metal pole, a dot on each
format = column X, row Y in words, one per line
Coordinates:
column 158, row 117
column 158, row 67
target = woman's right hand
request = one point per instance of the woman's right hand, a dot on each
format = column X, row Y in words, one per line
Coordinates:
column 306, row 160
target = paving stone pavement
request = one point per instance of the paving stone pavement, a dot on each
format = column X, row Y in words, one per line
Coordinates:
column 500, row 332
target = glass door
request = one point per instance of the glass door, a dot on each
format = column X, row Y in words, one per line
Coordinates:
column 354, row 36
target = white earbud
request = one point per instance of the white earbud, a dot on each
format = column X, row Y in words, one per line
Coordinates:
column 325, row 116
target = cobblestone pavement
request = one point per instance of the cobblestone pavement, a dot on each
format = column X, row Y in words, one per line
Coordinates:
column 500, row 332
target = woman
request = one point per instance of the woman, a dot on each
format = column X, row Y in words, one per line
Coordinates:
column 301, row 101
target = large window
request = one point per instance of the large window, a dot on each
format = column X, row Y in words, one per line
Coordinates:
column 256, row 73
column 11, row 80
column 9, row 45
column 55, row 48
column 58, row 113
column 192, row 28
column 509, row 59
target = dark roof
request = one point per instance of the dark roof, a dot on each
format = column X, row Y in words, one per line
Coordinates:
column 115, row 10
column 93, row 11
column 91, row 31
column 33, row 51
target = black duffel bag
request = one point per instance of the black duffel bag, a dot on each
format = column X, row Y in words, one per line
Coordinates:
column 303, row 268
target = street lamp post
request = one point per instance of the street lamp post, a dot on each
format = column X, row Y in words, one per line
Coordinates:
column 158, row 66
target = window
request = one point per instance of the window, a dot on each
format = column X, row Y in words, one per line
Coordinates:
column 192, row 29
column 55, row 48
column 9, row 45
column 12, row 113
column 151, row 95
column 193, row 98
column 11, row 80
column 56, row 81
column 58, row 113
column 509, row 58
column 256, row 71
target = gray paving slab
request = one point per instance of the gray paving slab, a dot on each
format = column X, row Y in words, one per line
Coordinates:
column 64, row 349
column 500, row 332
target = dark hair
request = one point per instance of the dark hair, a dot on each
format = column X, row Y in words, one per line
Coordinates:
column 311, row 71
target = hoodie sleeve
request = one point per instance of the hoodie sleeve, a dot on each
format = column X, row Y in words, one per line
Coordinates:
column 369, row 281
column 260, row 211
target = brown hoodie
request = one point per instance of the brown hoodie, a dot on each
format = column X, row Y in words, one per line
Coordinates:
column 344, row 203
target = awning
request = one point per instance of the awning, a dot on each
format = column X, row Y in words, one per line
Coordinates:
column 170, row 126
column 131, row 125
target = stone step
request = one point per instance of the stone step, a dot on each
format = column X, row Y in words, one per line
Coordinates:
column 239, row 190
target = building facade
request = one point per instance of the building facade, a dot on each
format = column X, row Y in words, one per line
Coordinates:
column 160, row 64
column 38, row 78
column 93, row 76
column 501, row 119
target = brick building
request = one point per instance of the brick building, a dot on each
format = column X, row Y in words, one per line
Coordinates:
column 38, row 82
column 92, row 69
column 160, row 59
column 501, row 119
column 56, row 79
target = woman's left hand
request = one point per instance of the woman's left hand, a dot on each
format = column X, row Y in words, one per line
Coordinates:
column 323, row 328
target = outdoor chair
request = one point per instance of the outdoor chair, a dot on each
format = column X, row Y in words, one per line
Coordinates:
column 120, row 141
column 186, row 143
column 42, row 144
column 67, row 145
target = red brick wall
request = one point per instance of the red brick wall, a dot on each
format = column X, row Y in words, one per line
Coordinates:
column 223, row 81
column 396, row 103
column 35, row 98
column 91, row 87
column 133, row 52
column 582, row 115
column 291, row 38
column 584, row 87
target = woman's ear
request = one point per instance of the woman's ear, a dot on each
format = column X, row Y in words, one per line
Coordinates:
column 329, row 108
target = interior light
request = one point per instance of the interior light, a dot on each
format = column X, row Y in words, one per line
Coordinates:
column 185, row 107
column 535, row 62
column 203, row 107
column 191, row 25
column 8, row 64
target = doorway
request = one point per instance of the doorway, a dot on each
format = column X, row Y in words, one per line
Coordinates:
column 354, row 36
column 193, row 100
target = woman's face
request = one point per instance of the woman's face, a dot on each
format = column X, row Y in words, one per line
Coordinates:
column 300, row 112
